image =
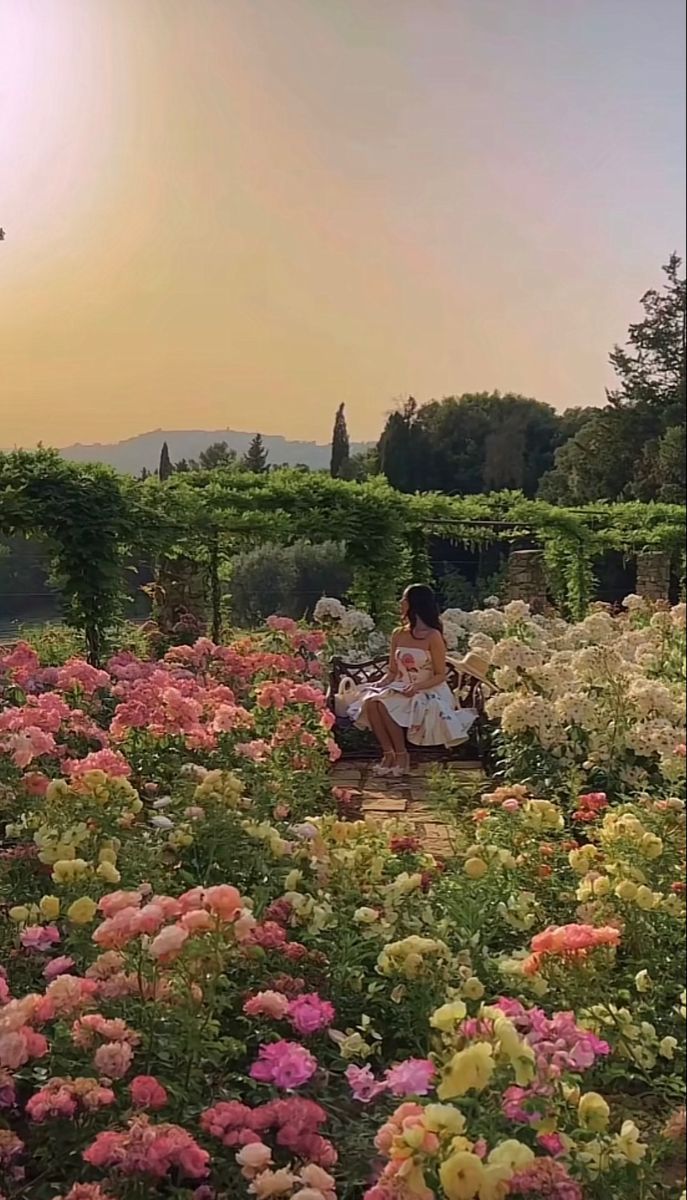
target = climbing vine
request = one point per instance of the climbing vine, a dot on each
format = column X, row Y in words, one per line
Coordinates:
column 92, row 519
column 86, row 515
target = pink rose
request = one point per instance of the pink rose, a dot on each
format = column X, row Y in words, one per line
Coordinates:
column 168, row 943
column 39, row 937
column 224, row 901
column 309, row 1014
column 286, row 1064
column 196, row 921
column 58, row 966
column 113, row 1059
column 146, row 1092
column 267, row 1004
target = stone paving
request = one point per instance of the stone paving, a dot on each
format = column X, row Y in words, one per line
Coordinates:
column 403, row 799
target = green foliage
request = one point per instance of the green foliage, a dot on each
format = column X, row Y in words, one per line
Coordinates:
column 255, row 459
column 288, row 580
column 459, row 592
column 341, row 448
column 55, row 644
column 87, row 515
column 635, row 447
column 216, row 455
column 165, row 468
column 95, row 521
column 470, row 444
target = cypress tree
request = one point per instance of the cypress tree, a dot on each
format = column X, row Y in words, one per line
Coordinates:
column 165, row 469
column 341, row 447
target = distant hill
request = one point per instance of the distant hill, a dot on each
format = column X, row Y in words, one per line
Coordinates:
column 133, row 454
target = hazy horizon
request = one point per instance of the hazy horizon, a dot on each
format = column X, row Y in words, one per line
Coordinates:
column 229, row 214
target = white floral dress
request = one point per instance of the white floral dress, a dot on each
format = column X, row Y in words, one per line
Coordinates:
column 431, row 718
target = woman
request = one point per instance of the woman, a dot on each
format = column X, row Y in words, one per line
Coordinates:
column 413, row 696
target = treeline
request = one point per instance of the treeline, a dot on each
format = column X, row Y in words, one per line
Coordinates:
column 632, row 447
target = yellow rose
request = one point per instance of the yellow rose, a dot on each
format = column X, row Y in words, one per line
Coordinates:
column 469, row 1069
column 107, row 855
column 461, row 1175
column 65, row 870
column 473, row 988
column 57, row 789
column 440, row 1118
column 601, row 886
column 593, row 1112
column 626, row 890
column 524, row 1065
column 412, row 965
column 581, row 860
column 292, row 881
column 448, row 1015
column 512, row 1154
column 667, row 1047
column 81, row 911
column 365, row 916
column 508, row 1037
column 495, row 1182
column 628, row 1144
column 645, row 899
column 49, row 908
column 673, row 906
column 643, row 981
column 19, row 914
column 108, row 872
column 475, row 868
column 652, row 846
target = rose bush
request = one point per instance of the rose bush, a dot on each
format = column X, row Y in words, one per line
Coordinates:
column 218, row 981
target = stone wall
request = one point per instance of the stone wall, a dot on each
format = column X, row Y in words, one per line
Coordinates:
column 653, row 575
column 526, row 578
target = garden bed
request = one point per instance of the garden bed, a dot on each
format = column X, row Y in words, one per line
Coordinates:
column 219, row 981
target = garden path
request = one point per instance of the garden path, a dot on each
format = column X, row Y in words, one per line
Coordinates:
column 404, row 800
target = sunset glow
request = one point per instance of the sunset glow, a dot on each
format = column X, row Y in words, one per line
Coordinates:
column 244, row 212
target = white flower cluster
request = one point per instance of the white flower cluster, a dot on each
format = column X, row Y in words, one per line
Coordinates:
column 605, row 690
column 352, row 632
column 328, row 608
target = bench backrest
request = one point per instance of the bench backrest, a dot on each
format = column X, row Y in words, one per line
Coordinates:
column 374, row 669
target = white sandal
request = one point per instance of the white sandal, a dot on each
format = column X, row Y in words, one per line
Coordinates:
column 381, row 768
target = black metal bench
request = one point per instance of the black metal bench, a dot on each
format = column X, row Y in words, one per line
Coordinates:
column 372, row 671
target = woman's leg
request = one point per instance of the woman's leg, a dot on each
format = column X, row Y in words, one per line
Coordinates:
column 374, row 712
column 396, row 736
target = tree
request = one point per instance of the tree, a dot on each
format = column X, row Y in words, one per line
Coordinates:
column 634, row 447
column 469, row 444
column 363, row 465
column 401, row 449
column 255, row 459
column 651, row 372
column 286, row 579
column 341, row 447
column 216, row 455
column 165, row 468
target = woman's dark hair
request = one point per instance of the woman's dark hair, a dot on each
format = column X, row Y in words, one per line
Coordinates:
column 422, row 606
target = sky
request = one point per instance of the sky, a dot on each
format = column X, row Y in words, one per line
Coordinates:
column 241, row 213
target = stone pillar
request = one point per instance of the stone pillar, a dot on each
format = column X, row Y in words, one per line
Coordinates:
column 180, row 592
column 653, row 575
column 526, row 578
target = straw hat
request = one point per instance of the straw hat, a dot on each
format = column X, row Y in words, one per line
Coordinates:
column 475, row 665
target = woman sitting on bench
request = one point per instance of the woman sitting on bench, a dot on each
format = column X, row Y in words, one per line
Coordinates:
column 413, row 696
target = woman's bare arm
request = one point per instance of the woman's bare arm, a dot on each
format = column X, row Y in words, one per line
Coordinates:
column 392, row 667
